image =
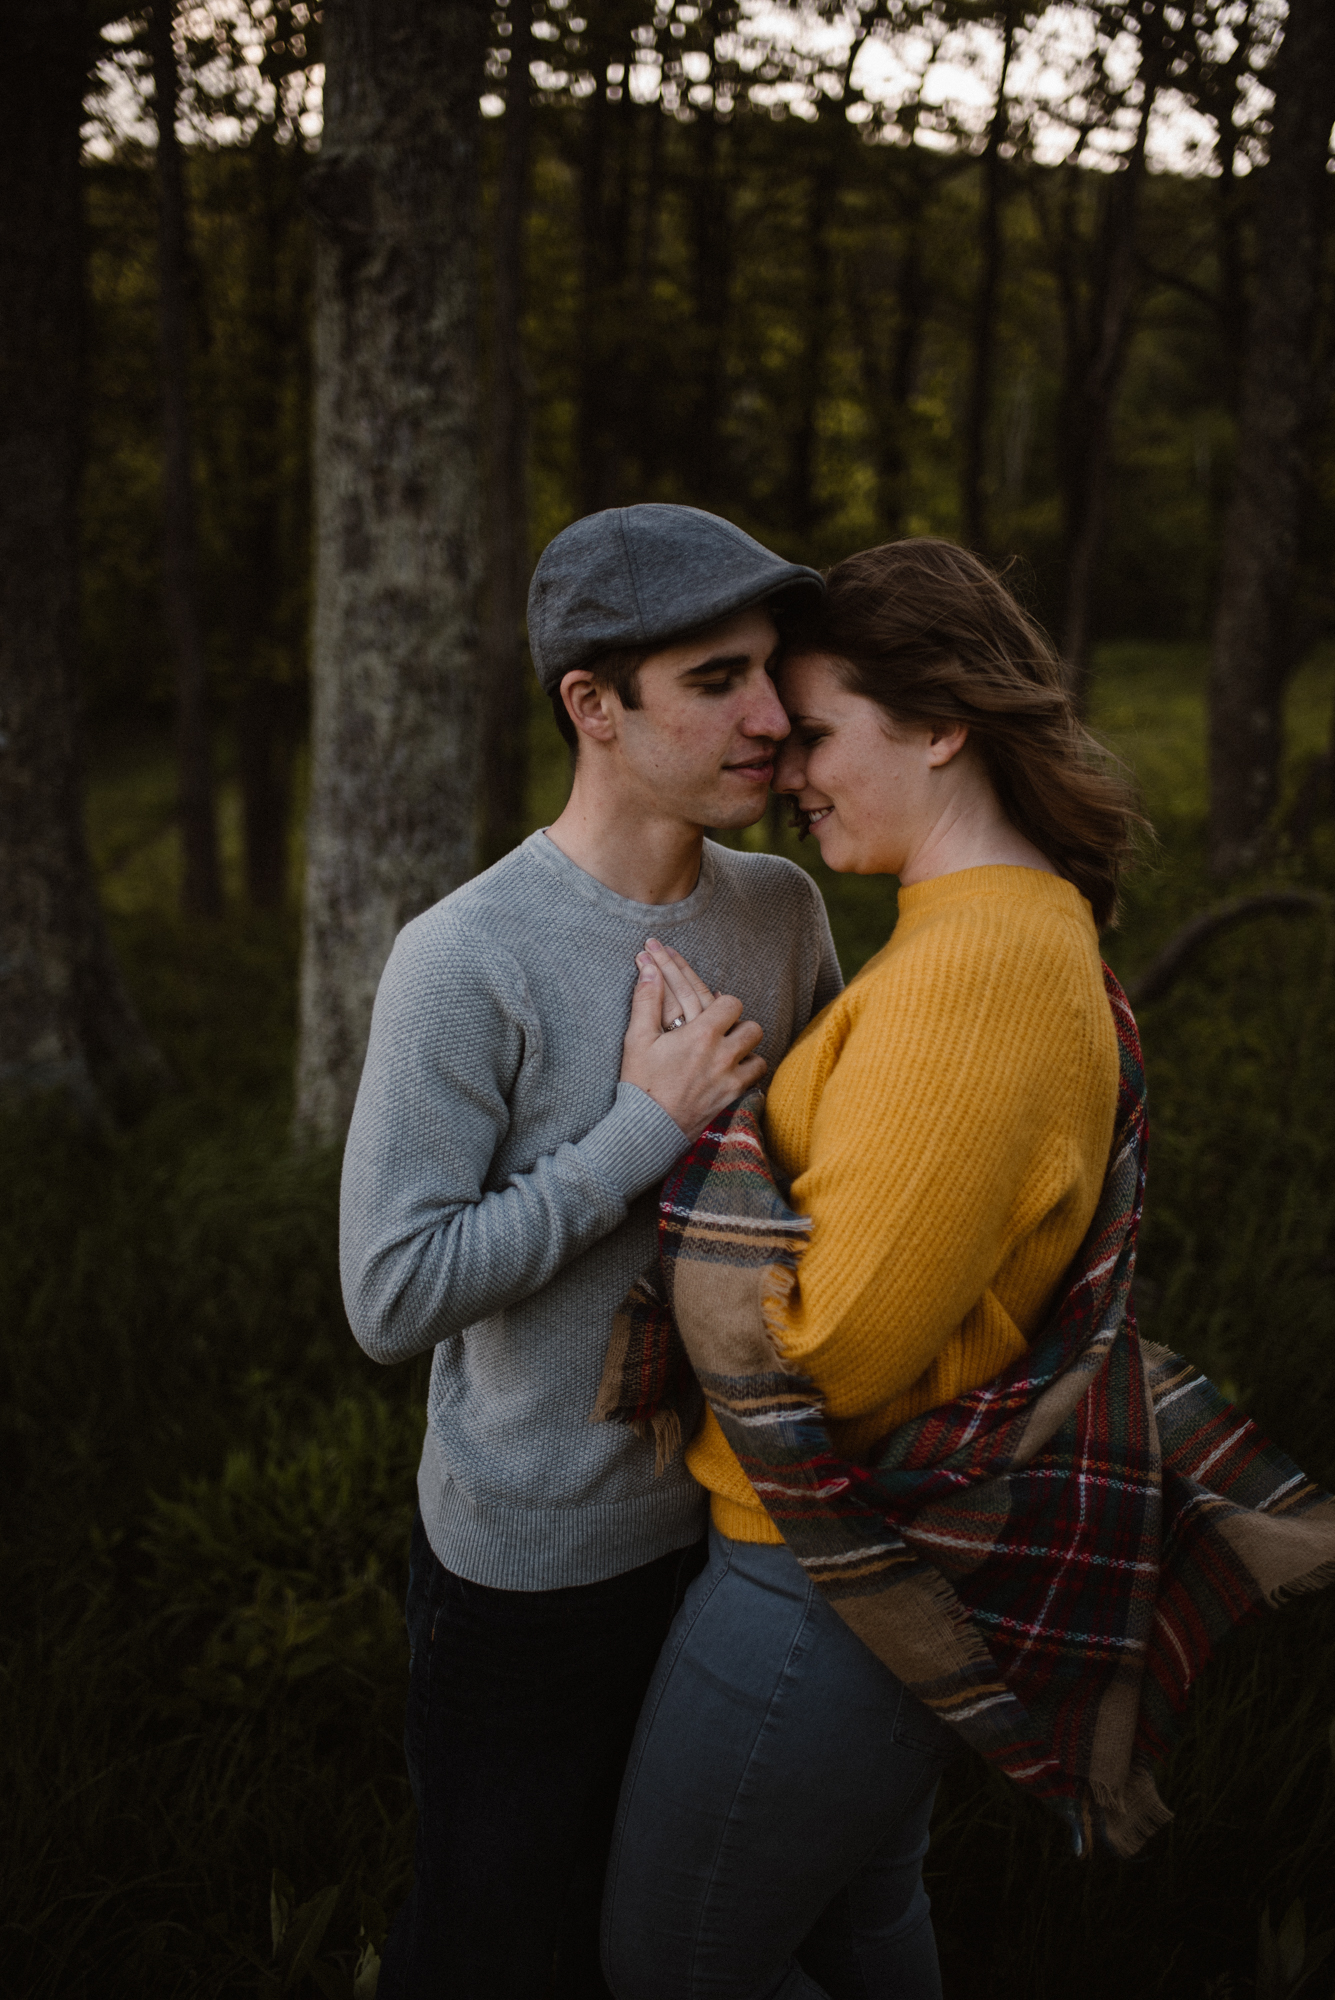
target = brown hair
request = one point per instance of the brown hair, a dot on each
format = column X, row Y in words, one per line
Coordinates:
column 618, row 669
column 931, row 634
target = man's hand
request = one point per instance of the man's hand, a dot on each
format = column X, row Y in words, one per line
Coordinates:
column 695, row 1070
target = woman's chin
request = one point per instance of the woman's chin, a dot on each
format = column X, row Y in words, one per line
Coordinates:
column 838, row 855
column 843, row 857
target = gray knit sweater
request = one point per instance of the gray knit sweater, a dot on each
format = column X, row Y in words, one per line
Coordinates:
column 498, row 1189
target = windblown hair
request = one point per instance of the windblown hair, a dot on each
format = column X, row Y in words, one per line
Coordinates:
column 930, row 633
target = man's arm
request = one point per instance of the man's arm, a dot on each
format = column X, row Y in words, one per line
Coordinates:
column 425, row 1249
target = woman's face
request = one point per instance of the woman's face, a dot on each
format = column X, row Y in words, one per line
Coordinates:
column 870, row 789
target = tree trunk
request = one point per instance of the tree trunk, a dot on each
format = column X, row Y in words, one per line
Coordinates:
column 1217, row 83
column 711, row 258
column 595, row 470
column 266, row 707
column 505, row 680
column 889, row 367
column 603, row 335
column 1232, row 262
column 265, row 733
column 1251, row 657
column 653, row 406
column 66, row 1023
column 395, row 737
column 817, row 324
column 1097, row 286
column 201, row 885
column 979, row 408
column 1095, row 349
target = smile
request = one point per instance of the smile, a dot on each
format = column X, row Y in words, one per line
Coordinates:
column 763, row 767
column 820, row 813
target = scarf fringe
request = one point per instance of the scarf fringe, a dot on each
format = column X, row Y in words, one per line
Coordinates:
column 1321, row 1577
column 609, row 1405
column 664, row 1427
column 1130, row 1816
column 607, row 1409
column 944, row 1598
column 778, row 1282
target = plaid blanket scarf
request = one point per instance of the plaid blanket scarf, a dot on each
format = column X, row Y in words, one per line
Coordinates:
column 1049, row 1561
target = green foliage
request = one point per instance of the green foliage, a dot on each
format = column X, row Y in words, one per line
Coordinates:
column 205, row 1509
column 298, row 1931
column 1285, row 1960
column 291, row 1562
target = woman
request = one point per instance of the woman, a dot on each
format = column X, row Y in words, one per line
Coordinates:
column 945, row 1124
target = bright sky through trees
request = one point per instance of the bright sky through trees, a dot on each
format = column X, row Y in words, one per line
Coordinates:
column 947, row 72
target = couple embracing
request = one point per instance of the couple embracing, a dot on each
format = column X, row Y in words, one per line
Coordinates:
column 682, row 1686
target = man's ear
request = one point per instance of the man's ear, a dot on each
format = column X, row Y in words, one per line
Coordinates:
column 588, row 705
column 946, row 744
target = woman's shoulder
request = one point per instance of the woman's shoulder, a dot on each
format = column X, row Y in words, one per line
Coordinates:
column 976, row 944
column 995, row 915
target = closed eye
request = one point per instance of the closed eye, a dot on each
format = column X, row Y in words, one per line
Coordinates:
column 719, row 674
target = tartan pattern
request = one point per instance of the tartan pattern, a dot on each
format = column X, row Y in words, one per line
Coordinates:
column 1048, row 1561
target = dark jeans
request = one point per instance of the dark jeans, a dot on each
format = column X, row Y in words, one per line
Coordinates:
column 521, row 1709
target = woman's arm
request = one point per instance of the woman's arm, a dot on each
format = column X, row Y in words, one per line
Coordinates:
column 938, row 1141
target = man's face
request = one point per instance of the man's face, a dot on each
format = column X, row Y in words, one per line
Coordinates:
column 703, row 739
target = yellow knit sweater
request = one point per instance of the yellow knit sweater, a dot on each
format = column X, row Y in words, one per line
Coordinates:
column 946, row 1124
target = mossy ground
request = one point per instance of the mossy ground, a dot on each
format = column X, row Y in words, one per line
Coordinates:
column 207, row 1487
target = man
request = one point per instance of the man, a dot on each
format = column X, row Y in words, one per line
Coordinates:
column 498, row 1200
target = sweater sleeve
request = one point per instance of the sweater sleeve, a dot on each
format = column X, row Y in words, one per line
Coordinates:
column 426, row 1247
column 931, row 1124
column 829, row 977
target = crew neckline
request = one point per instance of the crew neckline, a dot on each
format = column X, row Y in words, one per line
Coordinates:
column 997, row 878
column 652, row 917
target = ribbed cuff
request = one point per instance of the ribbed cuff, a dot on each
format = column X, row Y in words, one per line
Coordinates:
column 552, row 1548
column 739, row 1523
column 635, row 1144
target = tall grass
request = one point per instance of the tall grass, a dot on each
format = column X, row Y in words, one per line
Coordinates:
column 207, row 1488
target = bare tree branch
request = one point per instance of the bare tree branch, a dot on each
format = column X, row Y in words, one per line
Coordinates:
column 1164, row 971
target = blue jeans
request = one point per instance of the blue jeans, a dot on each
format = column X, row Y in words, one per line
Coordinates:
column 774, row 1813
column 521, row 1708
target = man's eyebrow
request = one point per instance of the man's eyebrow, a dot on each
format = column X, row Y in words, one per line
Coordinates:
column 716, row 663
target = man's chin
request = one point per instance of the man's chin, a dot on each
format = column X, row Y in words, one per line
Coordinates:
column 738, row 813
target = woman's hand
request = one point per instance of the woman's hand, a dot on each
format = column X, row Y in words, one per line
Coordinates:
column 695, row 1070
column 685, row 995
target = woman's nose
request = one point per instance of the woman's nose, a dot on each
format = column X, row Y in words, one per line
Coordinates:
column 789, row 768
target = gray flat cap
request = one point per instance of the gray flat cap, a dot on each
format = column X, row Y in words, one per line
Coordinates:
column 639, row 576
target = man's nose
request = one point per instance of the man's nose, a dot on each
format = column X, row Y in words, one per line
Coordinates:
column 765, row 716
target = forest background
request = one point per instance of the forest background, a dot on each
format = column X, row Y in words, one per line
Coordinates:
column 1056, row 282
